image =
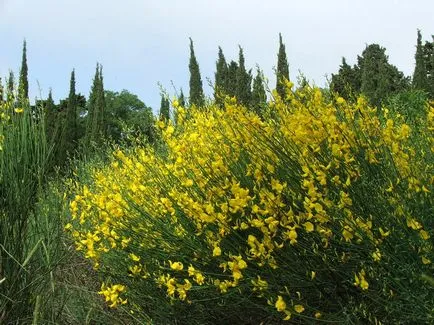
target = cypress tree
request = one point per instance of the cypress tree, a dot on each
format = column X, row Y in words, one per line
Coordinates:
column 10, row 87
column 220, row 78
column 70, row 128
column 181, row 99
column 101, row 105
column 420, row 80
column 428, row 53
column 259, row 96
column 95, row 111
column 50, row 118
column 164, row 108
column 244, row 80
column 23, row 86
column 196, row 89
column 282, row 71
column 346, row 81
column 231, row 80
column 1, row 91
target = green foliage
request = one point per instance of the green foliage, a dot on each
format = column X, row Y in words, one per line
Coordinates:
column 23, row 86
column 231, row 81
column 379, row 78
column 282, row 72
column 221, row 76
column 10, row 97
column 244, row 81
column 259, row 96
column 347, row 81
column 95, row 119
column 196, row 90
column 126, row 116
column 420, row 77
column 164, row 108
column 69, row 129
column 24, row 159
column 1, row 92
column 373, row 76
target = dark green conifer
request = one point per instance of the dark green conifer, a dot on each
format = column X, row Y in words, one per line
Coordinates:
column 164, row 108
column 231, row 80
column 10, row 87
column 282, row 71
column 244, row 81
column 1, row 92
column 220, row 78
column 181, row 99
column 259, row 96
column 196, row 90
column 95, row 124
column 420, row 80
column 346, row 82
column 23, row 85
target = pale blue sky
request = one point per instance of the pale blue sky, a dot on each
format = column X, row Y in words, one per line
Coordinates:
column 143, row 43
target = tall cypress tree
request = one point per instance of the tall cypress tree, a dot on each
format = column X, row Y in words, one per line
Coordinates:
column 70, row 128
column 420, row 80
column 282, row 71
column 231, row 80
column 346, row 81
column 164, row 108
column 259, row 96
column 181, row 99
column 101, row 105
column 220, row 78
column 10, row 87
column 244, row 81
column 1, row 91
column 96, row 108
column 50, row 118
column 196, row 90
column 23, row 85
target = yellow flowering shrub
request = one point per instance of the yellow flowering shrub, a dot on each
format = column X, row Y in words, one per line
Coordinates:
column 305, row 214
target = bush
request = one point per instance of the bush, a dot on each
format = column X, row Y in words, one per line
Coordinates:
column 320, row 212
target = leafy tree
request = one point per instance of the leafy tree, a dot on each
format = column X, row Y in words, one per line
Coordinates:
column 196, row 90
column 164, row 108
column 420, row 78
column 220, row 78
column 126, row 114
column 23, row 86
column 259, row 96
column 282, row 71
column 244, row 81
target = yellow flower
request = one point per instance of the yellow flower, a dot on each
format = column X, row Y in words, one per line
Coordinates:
column 216, row 251
column 134, row 257
column 280, row 304
column 19, row 110
column 299, row 308
column 308, row 226
column 177, row 266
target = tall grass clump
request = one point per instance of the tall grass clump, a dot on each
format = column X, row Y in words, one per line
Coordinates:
column 23, row 161
column 319, row 212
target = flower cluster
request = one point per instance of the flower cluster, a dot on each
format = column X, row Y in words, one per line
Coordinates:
column 309, row 201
